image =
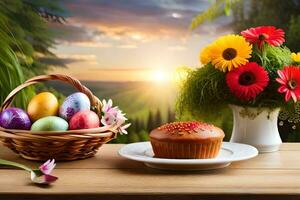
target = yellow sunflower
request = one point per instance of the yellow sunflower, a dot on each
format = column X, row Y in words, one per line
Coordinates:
column 205, row 55
column 296, row 57
column 229, row 52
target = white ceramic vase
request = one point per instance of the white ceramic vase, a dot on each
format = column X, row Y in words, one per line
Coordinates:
column 257, row 127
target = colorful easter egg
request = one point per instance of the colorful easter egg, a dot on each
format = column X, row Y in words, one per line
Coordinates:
column 84, row 120
column 15, row 118
column 42, row 105
column 73, row 104
column 50, row 123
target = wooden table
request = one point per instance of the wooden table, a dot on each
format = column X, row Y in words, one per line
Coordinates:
column 108, row 176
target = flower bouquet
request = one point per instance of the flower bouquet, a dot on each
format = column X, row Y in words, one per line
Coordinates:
column 255, row 75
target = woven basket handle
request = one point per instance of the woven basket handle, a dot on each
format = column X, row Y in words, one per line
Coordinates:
column 95, row 102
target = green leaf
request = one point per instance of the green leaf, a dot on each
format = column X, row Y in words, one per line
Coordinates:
column 217, row 8
column 14, row 164
column 227, row 8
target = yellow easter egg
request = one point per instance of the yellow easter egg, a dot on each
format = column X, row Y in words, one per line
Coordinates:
column 42, row 105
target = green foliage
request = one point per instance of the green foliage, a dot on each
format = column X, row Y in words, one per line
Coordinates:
column 11, row 74
column 25, row 36
column 133, row 137
column 121, row 139
column 217, row 9
column 150, row 122
column 277, row 57
column 293, row 33
column 143, row 135
column 204, row 96
column 293, row 135
column 171, row 115
column 28, row 33
column 158, row 119
column 212, row 12
column 271, row 58
column 204, row 93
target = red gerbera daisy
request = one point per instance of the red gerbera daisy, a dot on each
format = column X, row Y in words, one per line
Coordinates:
column 247, row 81
column 289, row 80
column 261, row 34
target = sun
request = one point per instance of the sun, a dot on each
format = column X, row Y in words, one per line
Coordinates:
column 159, row 76
column 162, row 76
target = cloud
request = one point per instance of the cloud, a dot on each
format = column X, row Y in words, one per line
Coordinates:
column 90, row 44
column 79, row 57
column 75, row 32
column 64, row 59
column 127, row 46
column 129, row 24
column 151, row 18
column 57, row 62
column 176, row 15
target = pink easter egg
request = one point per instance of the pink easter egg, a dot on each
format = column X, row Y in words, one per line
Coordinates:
column 85, row 119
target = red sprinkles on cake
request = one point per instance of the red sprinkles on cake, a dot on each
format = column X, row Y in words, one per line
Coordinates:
column 184, row 126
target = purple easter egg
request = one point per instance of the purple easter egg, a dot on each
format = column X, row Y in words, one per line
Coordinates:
column 15, row 118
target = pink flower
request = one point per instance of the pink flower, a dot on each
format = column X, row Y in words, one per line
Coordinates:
column 43, row 174
column 289, row 78
column 113, row 116
column 48, row 166
column 39, row 176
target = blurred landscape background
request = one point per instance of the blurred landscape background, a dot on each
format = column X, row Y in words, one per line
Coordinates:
column 135, row 52
column 146, row 105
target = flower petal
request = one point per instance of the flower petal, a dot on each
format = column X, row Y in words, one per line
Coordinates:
column 110, row 103
column 42, row 179
column 294, row 96
column 282, row 76
column 280, row 81
column 48, row 166
column 50, row 179
column 287, row 96
column 123, row 129
column 282, row 89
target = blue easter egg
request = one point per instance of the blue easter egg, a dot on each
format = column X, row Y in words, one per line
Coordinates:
column 73, row 104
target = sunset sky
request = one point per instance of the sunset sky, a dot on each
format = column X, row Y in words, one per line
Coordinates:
column 132, row 40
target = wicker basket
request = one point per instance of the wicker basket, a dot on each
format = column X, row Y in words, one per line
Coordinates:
column 62, row 146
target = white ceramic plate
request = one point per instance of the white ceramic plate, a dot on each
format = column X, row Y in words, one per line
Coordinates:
column 230, row 152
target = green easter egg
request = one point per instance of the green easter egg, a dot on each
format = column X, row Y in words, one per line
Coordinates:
column 50, row 123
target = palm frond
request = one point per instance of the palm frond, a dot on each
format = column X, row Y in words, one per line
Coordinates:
column 217, row 9
column 11, row 74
